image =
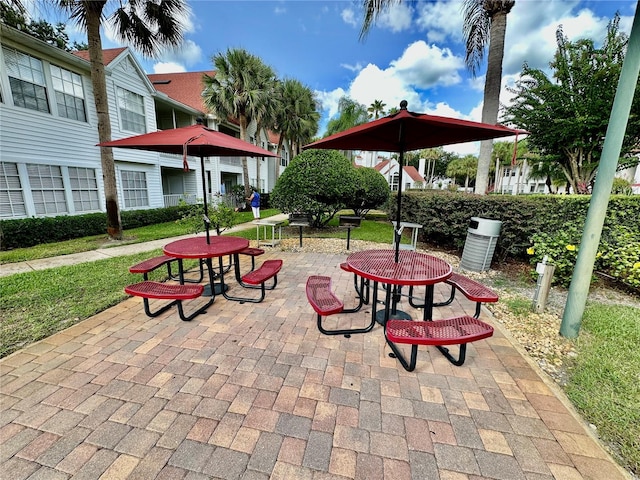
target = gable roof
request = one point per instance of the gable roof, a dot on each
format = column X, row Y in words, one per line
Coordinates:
column 108, row 55
column 185, row 87
column 413, row 173
column 380, row 166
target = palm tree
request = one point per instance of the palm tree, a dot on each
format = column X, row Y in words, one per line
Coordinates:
column 145, row 25
column 350, row 114
column 267, row 116
column 485, row 21
column 376, row 109
column 296, row 118
column 241, row 88
column 463, row 167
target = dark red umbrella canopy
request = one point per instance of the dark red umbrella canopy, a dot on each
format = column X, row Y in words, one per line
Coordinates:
column 419, row 131
column 198, row 140
column 405, row 131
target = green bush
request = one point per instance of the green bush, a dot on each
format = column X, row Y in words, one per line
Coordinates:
column 555, row 220
column 372, row 191
column 317, row 182
column 27, row 232
column 621, row 255
column 561, row 250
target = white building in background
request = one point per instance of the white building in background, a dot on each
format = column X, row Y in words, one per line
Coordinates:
column 49, row 162
column 390, row 170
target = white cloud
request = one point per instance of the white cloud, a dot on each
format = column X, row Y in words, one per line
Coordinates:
column 441, row 20
column 354, row 68
column 396, row 17
column 329, row 100
column 168, row 67
column 426, row 66
column 349, row 17
column 189, row 53
column 531, row 32
column 372, row 83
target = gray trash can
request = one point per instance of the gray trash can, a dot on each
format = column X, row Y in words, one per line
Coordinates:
column 480, row 244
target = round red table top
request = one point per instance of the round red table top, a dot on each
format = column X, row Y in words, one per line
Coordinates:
column 412, row 268
column 197, row 247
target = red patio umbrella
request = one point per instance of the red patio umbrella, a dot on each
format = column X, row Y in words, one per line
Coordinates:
column 406, row 131
column 196, row 140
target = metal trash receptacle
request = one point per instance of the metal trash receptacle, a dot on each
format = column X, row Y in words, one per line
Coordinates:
column 480, row 244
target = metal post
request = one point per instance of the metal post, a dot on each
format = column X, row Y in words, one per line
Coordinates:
column 581, row 279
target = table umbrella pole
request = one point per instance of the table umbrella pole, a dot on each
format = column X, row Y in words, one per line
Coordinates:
column 204, row 191
column 397, row 229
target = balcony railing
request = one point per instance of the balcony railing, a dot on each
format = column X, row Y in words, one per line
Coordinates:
column 173, row 200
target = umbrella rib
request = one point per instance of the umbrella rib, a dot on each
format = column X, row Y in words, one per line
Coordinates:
column 185, row 146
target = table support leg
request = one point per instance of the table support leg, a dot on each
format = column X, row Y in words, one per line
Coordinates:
column 390, row 305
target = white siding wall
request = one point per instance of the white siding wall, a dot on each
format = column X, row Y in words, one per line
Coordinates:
column 33, row 137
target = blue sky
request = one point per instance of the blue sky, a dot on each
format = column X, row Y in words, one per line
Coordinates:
column 414, row 52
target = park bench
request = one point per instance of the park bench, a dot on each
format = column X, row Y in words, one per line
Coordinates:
column 166, row 291
column 253, row 253
column 450, row 331
column 258, row 278
column 147, row 266
column 325, row 303
column 472, row 289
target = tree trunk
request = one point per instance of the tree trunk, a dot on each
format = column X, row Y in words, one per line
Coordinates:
column 258, row 159
column 245, row 167
column 491, row 100
column 98, row 81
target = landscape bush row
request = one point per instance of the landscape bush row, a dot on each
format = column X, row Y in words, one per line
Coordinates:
column 533, row 226
column 27, row 232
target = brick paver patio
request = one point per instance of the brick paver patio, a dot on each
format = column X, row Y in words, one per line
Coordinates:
column 254, row 391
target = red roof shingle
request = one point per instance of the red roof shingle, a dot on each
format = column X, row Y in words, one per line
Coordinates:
column 185, row 87
column 108, row 55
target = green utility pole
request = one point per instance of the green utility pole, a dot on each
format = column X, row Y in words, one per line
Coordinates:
column 581, row 279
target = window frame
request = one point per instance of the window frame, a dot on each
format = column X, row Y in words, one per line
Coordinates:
column 123, row 99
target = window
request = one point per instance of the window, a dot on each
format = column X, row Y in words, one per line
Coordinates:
column 284, row 160
column 134, row 189
column 26, row 79
column 131, row 106
column 11, row 198
column 84, row 189
column 69, row 93
column 394, row 182
column 47, row 189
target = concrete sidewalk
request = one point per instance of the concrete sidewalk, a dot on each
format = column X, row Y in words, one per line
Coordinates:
column 108, row 252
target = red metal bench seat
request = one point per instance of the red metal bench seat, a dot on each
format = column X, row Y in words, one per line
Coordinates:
column 450, row 331
column 253, row 253
column 167, row 291
column 473, row 290
column 151, row 264
column 258, row 277
column 325, row 303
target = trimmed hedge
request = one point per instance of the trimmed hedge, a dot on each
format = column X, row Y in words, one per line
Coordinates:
column 27, row 232
column 445, row 216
